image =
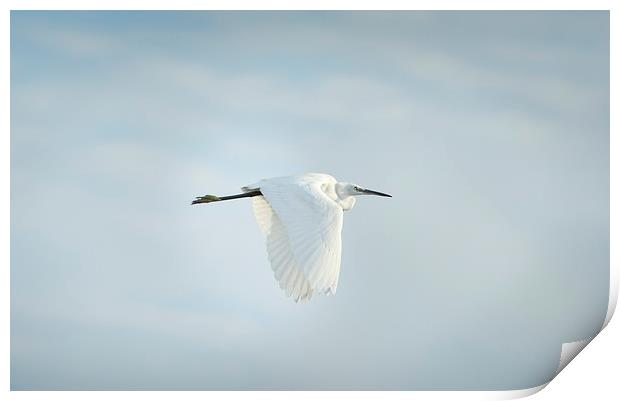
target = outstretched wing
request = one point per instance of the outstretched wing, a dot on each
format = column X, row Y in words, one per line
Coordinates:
column 285, row 269
column 303, row 228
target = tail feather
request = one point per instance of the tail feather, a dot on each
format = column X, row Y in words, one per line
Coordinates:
column 250, row 188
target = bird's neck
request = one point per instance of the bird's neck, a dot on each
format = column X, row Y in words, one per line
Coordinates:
column 347, row 203
column 343, row 196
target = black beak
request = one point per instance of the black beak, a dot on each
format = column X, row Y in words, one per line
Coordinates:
column 371, row 192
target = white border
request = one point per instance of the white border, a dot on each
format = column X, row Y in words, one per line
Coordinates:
column 568, row 349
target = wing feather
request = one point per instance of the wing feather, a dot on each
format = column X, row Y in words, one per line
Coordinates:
column 303, row 228
column 286, row 271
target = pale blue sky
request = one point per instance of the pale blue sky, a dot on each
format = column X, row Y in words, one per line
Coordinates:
column 490, row 129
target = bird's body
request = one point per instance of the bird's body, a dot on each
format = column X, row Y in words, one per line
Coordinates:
column 301, row 218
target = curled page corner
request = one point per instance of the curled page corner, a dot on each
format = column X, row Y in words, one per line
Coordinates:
column 613, row 294
column 569, row 352
column 515, row 394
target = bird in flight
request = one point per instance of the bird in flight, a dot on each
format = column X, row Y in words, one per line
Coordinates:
column 301, row 218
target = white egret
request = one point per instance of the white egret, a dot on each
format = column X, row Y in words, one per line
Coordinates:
column 301, row 217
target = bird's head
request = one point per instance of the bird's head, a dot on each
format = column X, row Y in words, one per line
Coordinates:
column 345, row 189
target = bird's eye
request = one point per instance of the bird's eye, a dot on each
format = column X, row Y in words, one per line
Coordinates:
column 358, row 189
